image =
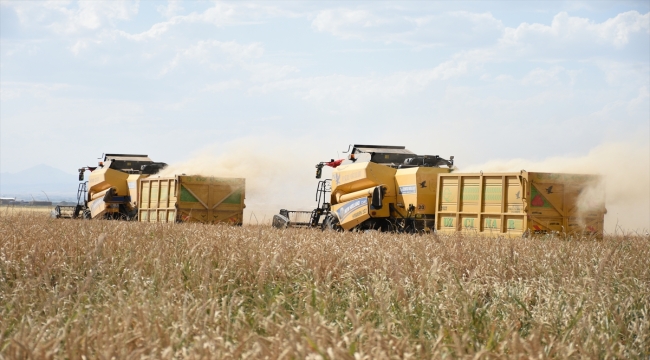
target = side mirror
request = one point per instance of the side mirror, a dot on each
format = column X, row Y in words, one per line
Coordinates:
column 319, row 170
column 377, row 198
column 81, row 174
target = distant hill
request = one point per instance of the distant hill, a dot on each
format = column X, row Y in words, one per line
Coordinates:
column 37, row 181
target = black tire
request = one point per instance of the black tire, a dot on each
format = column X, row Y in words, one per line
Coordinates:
column 331, row 222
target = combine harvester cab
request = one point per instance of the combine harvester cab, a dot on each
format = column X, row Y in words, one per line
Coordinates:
column 520, row 204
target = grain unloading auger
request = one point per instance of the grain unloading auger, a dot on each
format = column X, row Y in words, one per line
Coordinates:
column 390, row 189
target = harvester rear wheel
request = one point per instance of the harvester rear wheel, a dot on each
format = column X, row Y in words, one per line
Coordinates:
column 331, row 222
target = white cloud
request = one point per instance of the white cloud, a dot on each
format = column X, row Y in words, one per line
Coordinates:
column 222, row 86
column 544, row 77
column 178, row 105
column 154, row 31
column 391, row 25
column 618, row 73
column 211, row 53
column 240, row 52
column 345, row 22
column 264, row 71
column 349, row 88
column 355, row 91
column 640, row 101
column 573, row 30
column 70, row 17
column 64, row 18
column 220, row 15
column 566, row 36
column 497, row 79
column 172, row 8
column 219, row 56
column 82, row 44
column 13, row 90
column 460, row 22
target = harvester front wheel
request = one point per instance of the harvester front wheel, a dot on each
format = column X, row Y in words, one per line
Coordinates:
column 331, row 222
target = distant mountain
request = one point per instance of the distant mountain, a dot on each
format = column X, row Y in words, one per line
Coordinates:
column 38, row 181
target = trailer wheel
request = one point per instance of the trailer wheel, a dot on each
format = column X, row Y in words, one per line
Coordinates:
column 331, row 222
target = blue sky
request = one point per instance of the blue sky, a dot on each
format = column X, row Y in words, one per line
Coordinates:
column 296, row 82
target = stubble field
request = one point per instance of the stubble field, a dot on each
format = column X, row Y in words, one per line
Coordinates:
column 109, row 289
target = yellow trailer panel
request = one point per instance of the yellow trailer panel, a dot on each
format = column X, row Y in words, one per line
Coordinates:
column 416, row 187
column 192, row 198
column 515, row 204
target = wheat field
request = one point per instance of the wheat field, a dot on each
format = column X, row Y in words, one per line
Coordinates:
column 109, row 289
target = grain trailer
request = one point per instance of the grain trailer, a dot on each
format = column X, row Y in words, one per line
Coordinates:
column 191, row 198
column 519, row 204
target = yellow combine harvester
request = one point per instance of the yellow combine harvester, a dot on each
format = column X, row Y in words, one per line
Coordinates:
column 393, row 189
column 122, row 187
column 111, row 189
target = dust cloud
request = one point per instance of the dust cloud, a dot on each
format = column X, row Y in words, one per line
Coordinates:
column 278, row 175
column 625, row 171
column 592, row 198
